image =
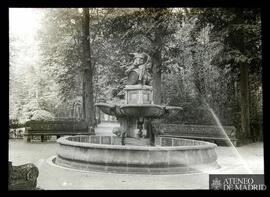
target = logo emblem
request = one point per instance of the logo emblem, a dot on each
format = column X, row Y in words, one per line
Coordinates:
column 216, row 184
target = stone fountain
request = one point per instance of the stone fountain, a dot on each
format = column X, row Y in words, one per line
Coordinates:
column 136, row 148
column 136, row 115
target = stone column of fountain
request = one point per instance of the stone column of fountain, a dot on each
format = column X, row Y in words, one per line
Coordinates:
column 132, row 123
column 137, row 95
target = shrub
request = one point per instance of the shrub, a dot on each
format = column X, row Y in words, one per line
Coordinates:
column 41, row 115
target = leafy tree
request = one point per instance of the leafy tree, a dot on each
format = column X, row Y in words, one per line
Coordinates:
column 60, row 39
column 65, row 50
column 28, row 84
column 240, row 32
column 149, row 28
column 196, row 55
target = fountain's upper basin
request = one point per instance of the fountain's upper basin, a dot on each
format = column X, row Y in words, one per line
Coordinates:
column 137, row 110
column 143, row 110
column 106, row 150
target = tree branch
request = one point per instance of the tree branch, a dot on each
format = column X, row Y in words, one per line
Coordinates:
column 99, row 26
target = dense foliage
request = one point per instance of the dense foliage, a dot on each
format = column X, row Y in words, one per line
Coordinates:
column 196, row 55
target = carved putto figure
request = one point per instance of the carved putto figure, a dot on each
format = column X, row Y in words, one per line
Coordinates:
column 141, row 67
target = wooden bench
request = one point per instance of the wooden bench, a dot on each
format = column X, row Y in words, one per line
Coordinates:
column 208, row 133
column 55, row 128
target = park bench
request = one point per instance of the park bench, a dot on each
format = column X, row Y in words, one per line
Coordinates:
column 55, row 128
column 208, row 133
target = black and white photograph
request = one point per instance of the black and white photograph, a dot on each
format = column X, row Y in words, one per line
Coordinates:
column 167, row 98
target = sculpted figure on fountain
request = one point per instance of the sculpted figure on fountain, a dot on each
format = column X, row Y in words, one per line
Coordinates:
column 141, row 67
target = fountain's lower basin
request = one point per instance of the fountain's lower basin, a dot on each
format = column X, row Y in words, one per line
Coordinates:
column 105, row 153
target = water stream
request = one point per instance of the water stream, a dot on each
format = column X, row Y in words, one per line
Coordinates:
column 231, row 144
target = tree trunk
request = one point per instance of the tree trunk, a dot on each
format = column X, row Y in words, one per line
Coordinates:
column 83, row 100
column 244, row 101
column 156, row 69
column 157, row 85
column 88, row 73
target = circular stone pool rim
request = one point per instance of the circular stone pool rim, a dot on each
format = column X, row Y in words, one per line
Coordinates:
column 137, row 159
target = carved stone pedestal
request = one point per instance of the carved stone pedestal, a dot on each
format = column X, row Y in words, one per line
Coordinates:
column 23, row 177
